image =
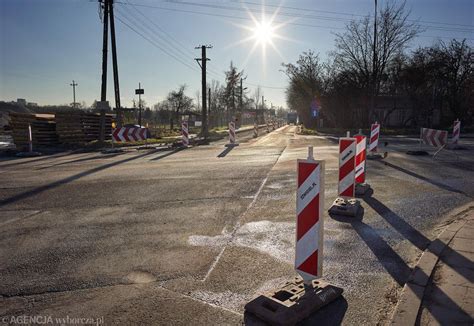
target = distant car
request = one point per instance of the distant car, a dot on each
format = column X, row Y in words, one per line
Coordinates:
column 129, row 125
column 292, row 117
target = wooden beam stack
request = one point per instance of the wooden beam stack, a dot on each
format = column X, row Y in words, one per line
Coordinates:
column 43, row 127
column 78, row 127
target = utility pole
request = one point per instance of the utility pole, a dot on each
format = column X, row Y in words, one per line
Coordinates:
column 103, row 92
column 203, row 60
column 74, row 84
column 139, row 92
column 263, row 105
column 374, row 65
column 209, row 107
column 114, row 64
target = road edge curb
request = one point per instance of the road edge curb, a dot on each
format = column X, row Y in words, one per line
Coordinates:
column 409, row 304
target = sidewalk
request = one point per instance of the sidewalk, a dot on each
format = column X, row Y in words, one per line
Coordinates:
column 440, row 291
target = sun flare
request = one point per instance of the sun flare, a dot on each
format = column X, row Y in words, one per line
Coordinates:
column 263, row 32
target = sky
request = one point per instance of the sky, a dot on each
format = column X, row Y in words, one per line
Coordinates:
column 45, row 44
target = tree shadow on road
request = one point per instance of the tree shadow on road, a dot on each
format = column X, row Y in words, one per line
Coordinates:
column 423, row 178
column 389, row 259
column 98, row 157
column 77, row 176
column 413, row 235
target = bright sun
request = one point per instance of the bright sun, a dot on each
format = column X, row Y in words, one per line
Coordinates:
column 263, row 32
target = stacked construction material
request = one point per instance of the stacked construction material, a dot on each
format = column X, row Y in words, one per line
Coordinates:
column 77, row 127
column 43, row 129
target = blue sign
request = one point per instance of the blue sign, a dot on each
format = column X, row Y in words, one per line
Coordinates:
column 315, row 107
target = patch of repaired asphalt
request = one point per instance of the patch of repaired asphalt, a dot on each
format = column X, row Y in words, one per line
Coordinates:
column 274, row 239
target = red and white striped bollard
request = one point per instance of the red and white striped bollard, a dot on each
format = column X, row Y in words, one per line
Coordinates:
column 456, row 132
column 185, row 133
column 345, row 204
column 309, row 223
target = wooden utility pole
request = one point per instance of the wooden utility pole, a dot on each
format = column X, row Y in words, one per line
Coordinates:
column 374, row 66
column 74, row 84
column 105, row 36
column 203, row 60
column 115, row 64
column 139, row 92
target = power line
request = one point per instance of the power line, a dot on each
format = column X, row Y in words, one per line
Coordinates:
column 304, row 16
column 276, row 21
column 155, row 44
column 169, row 38
column 152, row 34
column 343, row 13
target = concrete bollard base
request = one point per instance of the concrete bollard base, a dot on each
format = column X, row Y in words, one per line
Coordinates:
column 346, row 207
column 361, row 188
column 112, row 151
column 28, row 154
column 376, row 156
column 293, row 302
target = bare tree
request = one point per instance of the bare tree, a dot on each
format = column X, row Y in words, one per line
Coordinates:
column 178, row 102
column 355, row 51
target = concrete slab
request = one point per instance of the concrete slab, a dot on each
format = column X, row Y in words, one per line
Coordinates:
column 462, row 244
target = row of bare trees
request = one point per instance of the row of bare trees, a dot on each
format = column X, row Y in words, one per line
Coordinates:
column 440, row 77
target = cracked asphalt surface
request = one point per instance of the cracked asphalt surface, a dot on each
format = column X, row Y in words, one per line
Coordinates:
column 187, row 237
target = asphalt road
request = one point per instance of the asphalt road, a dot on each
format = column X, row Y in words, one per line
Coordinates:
column 189, row 236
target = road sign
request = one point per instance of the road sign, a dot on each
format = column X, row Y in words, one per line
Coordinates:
column 139, row 91
column 125, row 134
column 315, row 107
column 433, row 137
column 309, row 225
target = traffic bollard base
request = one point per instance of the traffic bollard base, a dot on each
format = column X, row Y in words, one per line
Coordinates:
column 112, row 151
column 28, row 154
column 293, row 302
column 346, row 207
column 361, row 188
column 376, row 156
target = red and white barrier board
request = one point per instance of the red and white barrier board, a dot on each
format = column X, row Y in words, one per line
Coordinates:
column 347, row 153
column 456, row 132
column 433, row 137
column 374, row 137
column 125, row 134
column 231, row 132
column 309, row 224
column 360, row 158
column 185, row 133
